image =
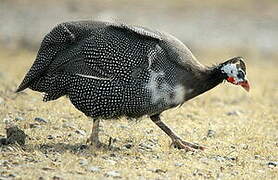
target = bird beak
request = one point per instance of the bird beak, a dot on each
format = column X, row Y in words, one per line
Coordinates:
column 245, row 85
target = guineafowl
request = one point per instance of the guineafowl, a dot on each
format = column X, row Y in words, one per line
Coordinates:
column 109, row 70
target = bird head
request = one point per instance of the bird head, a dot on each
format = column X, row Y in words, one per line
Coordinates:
column 234, row 71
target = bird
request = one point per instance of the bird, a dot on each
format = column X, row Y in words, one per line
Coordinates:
column 110, row 70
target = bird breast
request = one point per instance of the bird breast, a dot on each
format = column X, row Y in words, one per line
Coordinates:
column 162, row 91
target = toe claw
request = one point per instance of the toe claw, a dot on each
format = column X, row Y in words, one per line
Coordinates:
column 94, row 143
column 180, row 144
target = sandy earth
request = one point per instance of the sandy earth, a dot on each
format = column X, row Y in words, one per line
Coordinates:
column 239, row 129
column 201, row 24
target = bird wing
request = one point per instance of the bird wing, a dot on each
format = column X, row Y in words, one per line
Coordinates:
column 62, row 38
column 143, row 31
column 94, row 49
column 54, row 42
column 118, row 50
column 173, row 48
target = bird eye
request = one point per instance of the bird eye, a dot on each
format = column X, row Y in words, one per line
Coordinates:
column 240, row 75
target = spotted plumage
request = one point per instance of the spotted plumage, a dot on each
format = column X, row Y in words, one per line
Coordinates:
column 110, row 70
column 107, row 70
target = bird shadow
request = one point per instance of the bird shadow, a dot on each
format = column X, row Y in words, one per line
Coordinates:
column 77, row 148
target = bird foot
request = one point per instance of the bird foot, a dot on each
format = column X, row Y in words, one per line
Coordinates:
column 180, row 144
column 95, row 143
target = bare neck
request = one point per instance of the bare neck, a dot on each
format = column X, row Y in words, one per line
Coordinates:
column 203, row 80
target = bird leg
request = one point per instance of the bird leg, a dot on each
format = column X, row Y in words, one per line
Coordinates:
column 94, row 139
column 176, row 140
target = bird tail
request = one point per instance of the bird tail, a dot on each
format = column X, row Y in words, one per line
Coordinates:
column 55, row 41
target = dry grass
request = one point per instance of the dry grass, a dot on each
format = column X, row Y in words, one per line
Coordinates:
column 244, row 141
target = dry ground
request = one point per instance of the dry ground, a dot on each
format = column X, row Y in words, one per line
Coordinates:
column 243, row 141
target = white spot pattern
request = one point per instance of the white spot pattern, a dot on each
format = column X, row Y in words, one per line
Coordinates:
column 77, row 58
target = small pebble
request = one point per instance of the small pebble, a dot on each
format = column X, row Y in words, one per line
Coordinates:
column 94, row 169
column 83, row 162
column 83, row 146
column 15, row 135
column 81, row 132
column 234, row 173
column 219, row 158
column 149, row 131
column 112, row 162
column 160, row 171
column 69, row 125
column 205, row 160
column 155, row 156
column 123, row 127
column 41, row 120
column 12, row 175
column 112, row 155
column 3, row 141
column 272, row 164
column 2, row 162
column 179, row 164
column 211, row 133
column 231, row 158
column 233, row 147
column 1, row 100
column 19, row 119
column 7, row 120
column 50, row 137
column 114, row 174
column 196, row 172
column 156, row 170
column 145, row 147
column 153, row 141
column 34, row 125
column 233, row 113
column 244, row 146
column 57, row 178
column 47, row 169
column 261, row 171
column 128, row 146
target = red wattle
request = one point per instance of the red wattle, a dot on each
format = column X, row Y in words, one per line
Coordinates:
column 231, row 79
